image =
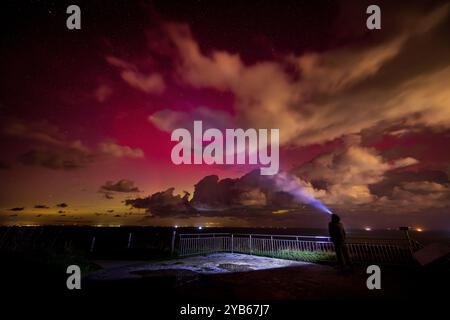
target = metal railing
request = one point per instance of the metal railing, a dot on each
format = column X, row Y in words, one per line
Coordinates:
column 305, row 248
column 190, row 244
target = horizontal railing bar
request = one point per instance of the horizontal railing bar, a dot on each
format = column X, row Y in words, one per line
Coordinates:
column 280, row 235
column 371, row 240
column 378, row 239
column 201, row 234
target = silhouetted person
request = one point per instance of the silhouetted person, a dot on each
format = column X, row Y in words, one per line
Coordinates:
column 337, row 235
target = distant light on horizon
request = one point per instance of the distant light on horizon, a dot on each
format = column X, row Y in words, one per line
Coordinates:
column 200, row 228
column 419, row 229
column 368, row 228
column 175, row 226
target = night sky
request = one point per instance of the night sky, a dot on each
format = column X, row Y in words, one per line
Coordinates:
column 86, row 115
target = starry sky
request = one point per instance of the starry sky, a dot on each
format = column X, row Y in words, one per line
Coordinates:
column 86, row 115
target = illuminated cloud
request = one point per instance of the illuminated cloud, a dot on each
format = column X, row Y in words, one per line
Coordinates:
column 353, row 165
column 148, row 83
column 347, row 173
column 342, row 179
column 118, row 151
column 163, row 203
column 424, row 197
column 345, row 91
column 338, row 92
column 249, row 197
column 263, row 91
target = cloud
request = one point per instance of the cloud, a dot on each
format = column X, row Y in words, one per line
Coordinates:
column 359, row 178
column 351, row 177
column 345, row 91
column 213, row 194
column 250, row 197
column 76, row 155
column 334, row 93
column 353, row 165
column 17, row 209
column 44, row 134
column 169, row 120
column 122, row 185
column 41, row 206
column 337, row 70
column 347, row 173
column 62, row 205
column 163, row 203
column 148, row 83
column 258, row 101
column 66, row 158
column 51, row 149
column 418, row 196
column 118, row 151
column 393, row 179
column 38, row 131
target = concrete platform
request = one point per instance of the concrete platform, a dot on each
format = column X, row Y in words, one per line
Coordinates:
column 216, row 263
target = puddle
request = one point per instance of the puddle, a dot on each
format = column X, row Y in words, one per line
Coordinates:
column 232, row 267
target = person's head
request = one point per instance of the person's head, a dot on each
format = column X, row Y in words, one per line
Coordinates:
column 335, row 218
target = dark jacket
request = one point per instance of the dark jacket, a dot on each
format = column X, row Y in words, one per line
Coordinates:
column 337, row 232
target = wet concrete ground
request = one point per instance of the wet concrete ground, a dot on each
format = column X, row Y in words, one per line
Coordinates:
column 238, row 277
column 207, row 264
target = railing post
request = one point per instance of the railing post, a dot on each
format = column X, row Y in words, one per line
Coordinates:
column 198, row 246
column 232, row 243
column 406, row 231
column 92, row 244
column 251, row 251
column 172, row 247
column 129, row 240
column 271, row 245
